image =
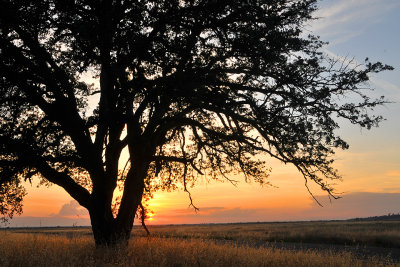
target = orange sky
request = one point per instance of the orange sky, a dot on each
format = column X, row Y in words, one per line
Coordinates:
column 368, row 178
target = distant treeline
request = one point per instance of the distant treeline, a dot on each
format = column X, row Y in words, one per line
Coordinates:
column 389, row 217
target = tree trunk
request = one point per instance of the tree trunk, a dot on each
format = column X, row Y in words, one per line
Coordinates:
column 106, row 231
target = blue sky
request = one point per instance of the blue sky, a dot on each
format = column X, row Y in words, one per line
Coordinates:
column 360, row 29
column 363, row 28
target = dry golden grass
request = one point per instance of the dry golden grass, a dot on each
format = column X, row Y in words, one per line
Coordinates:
column 24, row 249
column 372, row 233
column 377, row 233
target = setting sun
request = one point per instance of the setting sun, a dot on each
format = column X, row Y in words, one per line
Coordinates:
column 150, row 217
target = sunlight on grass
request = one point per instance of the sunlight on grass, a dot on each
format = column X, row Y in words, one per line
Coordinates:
column 24, row 249
column 382, row 234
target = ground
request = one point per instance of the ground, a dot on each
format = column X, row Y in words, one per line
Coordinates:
column 334, row 243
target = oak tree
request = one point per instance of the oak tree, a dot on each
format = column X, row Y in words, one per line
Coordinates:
column 101, row 95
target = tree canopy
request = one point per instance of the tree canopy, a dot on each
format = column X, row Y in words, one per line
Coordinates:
column 183, row 87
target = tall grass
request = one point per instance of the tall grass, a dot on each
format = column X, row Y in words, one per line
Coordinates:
column 384, row 234
column 23, row 249
column 375, row 233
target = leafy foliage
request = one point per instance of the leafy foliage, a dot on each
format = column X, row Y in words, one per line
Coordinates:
column 11, row 194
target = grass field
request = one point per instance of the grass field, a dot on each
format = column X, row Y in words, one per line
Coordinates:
column 385, row 234
column 261, row 244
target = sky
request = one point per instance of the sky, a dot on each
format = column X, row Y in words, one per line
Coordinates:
column 355, row 29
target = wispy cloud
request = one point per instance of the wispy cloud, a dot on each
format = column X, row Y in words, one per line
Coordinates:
column 342, row 20
column 357, row 204
column 70, row 214
column 393, row 173
column 390, row 90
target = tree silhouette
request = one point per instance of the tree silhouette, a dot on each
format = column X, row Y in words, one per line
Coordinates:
column 183, row 87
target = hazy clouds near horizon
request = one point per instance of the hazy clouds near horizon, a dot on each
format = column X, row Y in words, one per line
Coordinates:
column 352, row 205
